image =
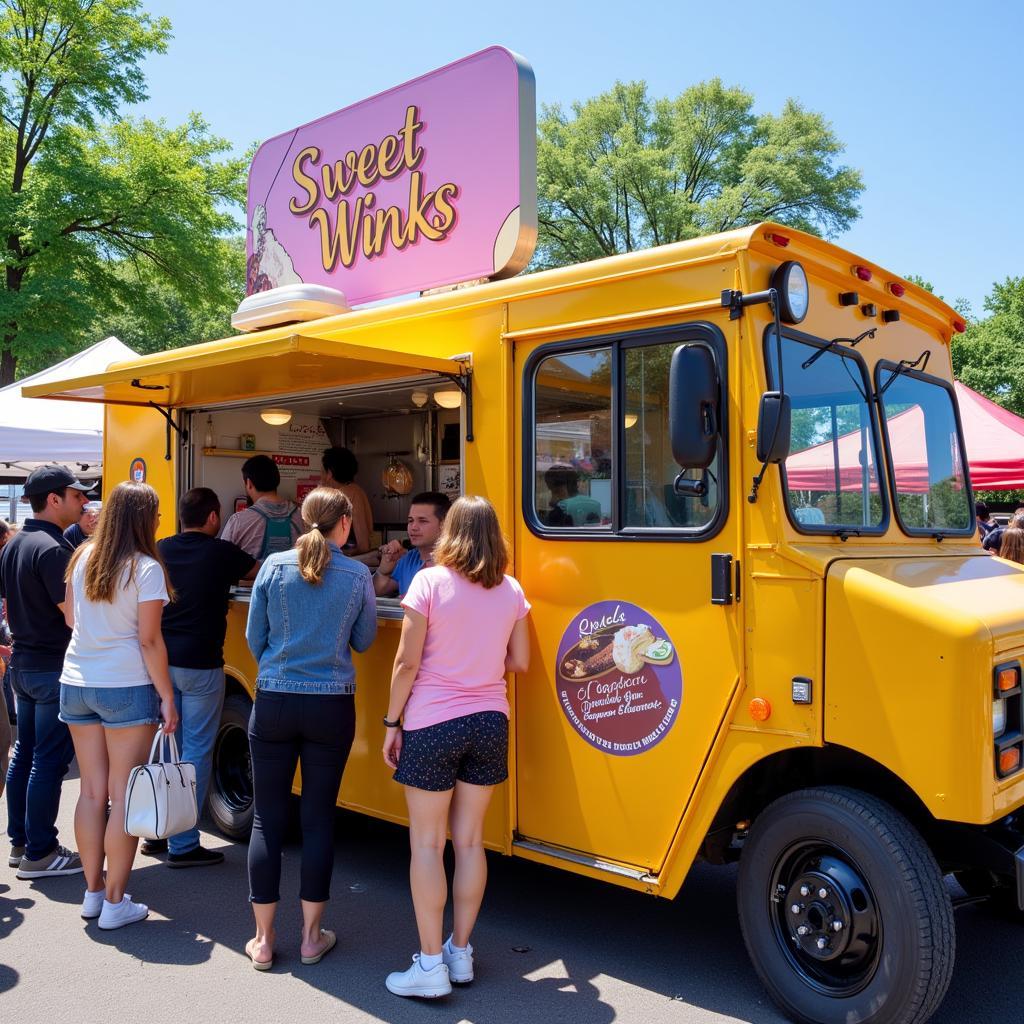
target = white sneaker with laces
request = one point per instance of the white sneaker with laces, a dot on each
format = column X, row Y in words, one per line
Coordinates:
column 459, row 962
column 417, row 982
column 92, row 904
column 117, row 915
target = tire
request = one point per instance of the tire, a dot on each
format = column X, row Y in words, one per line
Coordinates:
column 886, row 917
column 230, row 801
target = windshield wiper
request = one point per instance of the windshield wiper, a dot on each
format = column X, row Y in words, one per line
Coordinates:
column 852, row 342
column 906, row 364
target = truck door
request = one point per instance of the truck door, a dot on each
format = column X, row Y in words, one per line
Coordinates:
column 632, row 666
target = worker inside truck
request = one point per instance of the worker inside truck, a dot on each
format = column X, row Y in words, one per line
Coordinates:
column 261, row 458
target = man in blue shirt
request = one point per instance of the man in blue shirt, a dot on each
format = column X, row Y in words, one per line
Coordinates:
column 396, row 570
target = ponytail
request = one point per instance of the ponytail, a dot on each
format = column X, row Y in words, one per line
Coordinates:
column 322, row 510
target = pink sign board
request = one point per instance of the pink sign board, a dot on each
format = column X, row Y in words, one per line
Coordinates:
column 428, row 184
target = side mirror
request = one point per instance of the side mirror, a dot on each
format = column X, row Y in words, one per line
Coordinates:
column 693, row 389
column 774, row 427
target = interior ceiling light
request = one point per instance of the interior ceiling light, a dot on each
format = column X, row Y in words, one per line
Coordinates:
column 419, row 398
column 448, row 399
column 276, row 417
column 630, row 419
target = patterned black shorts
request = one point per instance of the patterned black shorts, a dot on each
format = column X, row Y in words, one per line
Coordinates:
column 471, row 749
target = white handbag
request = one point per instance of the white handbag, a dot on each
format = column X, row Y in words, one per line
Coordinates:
column 161, row 797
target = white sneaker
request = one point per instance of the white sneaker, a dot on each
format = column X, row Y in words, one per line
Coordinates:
column 417, row 982
column 92, row 904
column 117, row 915
column 459, row 962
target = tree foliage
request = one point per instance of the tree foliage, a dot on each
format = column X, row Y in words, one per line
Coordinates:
column 989, row 357
column 99, row 214
column 625, row 171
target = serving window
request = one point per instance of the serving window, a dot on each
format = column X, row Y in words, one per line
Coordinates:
column 599, row 459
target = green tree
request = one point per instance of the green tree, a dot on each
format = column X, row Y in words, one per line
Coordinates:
column 99, row 214
column 989, row 357
column 624, row 171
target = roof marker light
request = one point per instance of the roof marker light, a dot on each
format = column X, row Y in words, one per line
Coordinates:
column 869, row 309
column 897, row 289
column 776, row 239
column 890, row 316
column 959, row 326
column 848, row 298
column 862, row 272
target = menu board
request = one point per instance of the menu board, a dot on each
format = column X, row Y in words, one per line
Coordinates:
column 299, row 449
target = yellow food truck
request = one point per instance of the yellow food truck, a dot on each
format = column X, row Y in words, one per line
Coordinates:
column 731, row 471
column 732, row 474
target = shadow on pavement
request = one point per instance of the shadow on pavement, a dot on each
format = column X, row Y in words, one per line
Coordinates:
column 550, row 946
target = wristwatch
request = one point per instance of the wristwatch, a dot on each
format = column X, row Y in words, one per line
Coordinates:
column 392, row 725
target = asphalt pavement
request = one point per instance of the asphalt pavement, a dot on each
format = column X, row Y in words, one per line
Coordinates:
column 550, row 947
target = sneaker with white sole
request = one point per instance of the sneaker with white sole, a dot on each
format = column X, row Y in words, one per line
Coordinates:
column 61, row 862
column 117, row 915
column 17, row 852
column 92, row 903
column 459, row 963
column 417, row 982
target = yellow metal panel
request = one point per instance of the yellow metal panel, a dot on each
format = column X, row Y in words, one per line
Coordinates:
column 220, row 371
column 908, row 674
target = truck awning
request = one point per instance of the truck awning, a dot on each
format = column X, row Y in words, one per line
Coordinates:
column 224, row 371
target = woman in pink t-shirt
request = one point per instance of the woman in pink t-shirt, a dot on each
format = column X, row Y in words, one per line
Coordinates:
column 464, row 629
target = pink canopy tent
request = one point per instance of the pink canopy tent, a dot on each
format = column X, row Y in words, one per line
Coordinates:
column 994, row 437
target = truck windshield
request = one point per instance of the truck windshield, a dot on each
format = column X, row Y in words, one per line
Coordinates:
column 925, row 451
column 830, row 478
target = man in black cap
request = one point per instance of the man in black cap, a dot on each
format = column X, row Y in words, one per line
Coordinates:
column 32, row 570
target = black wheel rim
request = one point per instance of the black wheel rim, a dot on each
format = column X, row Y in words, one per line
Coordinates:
column 825, row 918
column 232, row 768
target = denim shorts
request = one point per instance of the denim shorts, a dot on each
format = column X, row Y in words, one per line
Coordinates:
column 116, row 707
column 473, row 749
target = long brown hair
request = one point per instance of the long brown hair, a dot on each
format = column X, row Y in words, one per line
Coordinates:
column 471, row 542
column 322, row 510
column 1012, row 544
column 126, row 529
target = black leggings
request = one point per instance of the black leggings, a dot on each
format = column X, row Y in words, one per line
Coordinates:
column 316, row 731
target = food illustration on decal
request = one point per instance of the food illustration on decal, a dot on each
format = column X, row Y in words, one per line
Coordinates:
column 626, row 650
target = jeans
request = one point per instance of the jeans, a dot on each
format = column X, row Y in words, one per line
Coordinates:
column 199, row 694
column 315, row 731
column 41, row 758
column 5, row 746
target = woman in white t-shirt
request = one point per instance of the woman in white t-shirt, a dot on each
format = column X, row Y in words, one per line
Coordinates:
column 115, row 687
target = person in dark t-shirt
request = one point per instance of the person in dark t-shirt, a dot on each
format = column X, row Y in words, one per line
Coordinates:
column 202, row 570
column 78, row 533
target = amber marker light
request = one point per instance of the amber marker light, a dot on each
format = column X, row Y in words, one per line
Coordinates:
column 1009, row 760
column 1008, row 679
column 760, row 709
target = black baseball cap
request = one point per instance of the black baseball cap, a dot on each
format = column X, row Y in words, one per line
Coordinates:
column 52, row 478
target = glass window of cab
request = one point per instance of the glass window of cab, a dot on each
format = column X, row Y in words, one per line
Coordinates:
column 602, row 458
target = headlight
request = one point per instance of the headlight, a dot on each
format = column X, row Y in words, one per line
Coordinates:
column 998, row 716
column 790, row 281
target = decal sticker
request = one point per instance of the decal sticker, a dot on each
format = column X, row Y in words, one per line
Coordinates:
column 619, row 680
column 137, row 471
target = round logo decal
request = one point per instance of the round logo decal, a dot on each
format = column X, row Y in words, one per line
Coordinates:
column 137, row 471
column 619, row 680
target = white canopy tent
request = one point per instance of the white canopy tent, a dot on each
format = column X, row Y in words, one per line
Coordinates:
column 34, row 431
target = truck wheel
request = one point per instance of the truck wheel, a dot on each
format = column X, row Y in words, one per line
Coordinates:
column 230, row 801
column 844, row 912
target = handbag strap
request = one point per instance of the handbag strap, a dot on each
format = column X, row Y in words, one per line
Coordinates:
column 161, row 756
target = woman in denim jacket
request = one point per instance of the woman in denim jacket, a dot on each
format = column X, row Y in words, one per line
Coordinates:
column 309, row 607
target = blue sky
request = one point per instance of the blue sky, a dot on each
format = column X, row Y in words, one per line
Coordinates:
column 926, row 96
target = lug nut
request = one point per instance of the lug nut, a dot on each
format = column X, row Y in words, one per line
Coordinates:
column 822, row 943
column 796, row 908
column 822, row 893
column 837, row 926
column 802, row 930
column 804, row 891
